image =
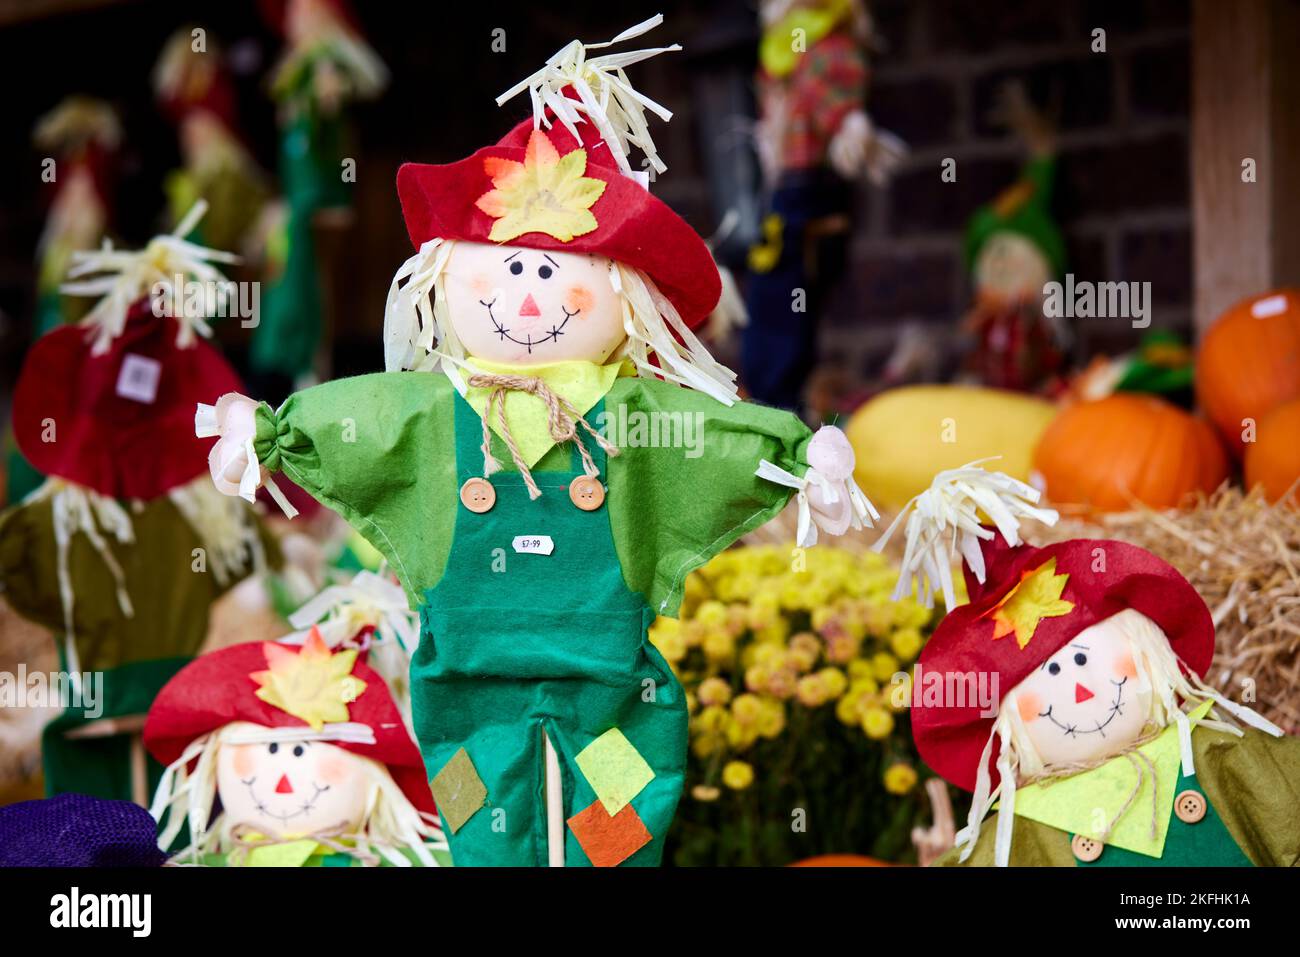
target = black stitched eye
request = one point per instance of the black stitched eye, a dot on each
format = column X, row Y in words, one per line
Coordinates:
column 1053, row 669
column 516, row 268
column 273, row 748
column 297, row 751
column 544, row 272
column 1081, row 659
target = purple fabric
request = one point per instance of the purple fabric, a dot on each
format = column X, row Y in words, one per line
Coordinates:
column 76, row 830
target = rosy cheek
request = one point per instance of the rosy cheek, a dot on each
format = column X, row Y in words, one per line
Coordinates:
column 1030, row 707
column 481, row 285
column 1125, row 667
column 579, row 299
column 332, row 769
column 242, row 760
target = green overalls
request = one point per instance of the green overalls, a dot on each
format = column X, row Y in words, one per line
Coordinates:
column 516, row 643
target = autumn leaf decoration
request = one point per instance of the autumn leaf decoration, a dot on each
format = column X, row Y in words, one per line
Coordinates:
column 546, row 193
column 313, row 684
column 1036, row 596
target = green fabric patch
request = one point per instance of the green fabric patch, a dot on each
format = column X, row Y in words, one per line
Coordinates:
column 458, row 791
column 614, row 769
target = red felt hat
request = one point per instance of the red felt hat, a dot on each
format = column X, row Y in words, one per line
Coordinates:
column 631, row 225
column 1103, row 578
column 219, row 688
column 122, row 422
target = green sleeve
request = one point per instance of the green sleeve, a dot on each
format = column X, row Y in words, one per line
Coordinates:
column 683, row 487
column 1254, row 784
column 379, row 450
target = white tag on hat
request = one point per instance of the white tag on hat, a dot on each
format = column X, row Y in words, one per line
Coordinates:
column 138, row 378
column 534, row 544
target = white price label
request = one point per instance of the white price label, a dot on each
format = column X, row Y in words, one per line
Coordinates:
column 138, row 378
column 534, row 544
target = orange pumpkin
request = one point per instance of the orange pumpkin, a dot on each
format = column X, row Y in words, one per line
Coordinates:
column 1249, row 363
column 841, row 860
column 1273, row 459
column 1103, row 455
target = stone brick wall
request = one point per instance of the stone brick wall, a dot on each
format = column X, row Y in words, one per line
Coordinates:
column 1122, row 194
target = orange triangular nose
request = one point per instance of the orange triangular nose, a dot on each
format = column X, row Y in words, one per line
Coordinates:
column 284, row 787
column 1081, row 693
column 529, row 308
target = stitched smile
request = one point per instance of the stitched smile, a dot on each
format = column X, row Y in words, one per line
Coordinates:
column 504, row 333
column 1073, row 730
column 282, row 818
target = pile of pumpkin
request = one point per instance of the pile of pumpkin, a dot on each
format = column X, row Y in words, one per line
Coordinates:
column 1115, row 453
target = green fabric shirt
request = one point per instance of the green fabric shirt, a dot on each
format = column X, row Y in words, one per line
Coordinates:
column 380, row 450
column 1253, row 783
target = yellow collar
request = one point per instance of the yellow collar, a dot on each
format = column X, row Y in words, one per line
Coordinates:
column 283, row 854
column 1086, row 802
column 582, row 383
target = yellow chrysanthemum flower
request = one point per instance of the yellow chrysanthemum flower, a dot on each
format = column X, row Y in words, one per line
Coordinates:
column 877, row 723
column 737, row 775
column 713, row 691
column 906, row 643
column 900, row 778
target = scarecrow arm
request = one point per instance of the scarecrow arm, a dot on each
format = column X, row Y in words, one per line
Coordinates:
column 684, row 486
column 377, row 449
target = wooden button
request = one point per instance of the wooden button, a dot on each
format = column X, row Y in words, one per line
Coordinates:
column 587, row 493
column 1086, row 849
column 478, row 495
column 1190, row 806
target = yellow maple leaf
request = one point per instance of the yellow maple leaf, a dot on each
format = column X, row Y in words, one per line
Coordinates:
column 1036, row 596
column 313, row 684
column 546, row 193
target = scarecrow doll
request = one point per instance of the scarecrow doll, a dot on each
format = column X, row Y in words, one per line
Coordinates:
column 551, row 295
column 1068, row 695
column 282, row 755
column 81, row 135
column 814, row 139
column 1013, row 248
column 125, row 546
column 326, row 66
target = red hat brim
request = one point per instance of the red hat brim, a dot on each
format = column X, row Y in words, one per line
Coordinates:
column 634, row 227
column 216, row 689
column 1105, row 578
column 117, row 446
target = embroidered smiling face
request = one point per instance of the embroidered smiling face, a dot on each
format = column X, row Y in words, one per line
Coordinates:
column 1084, row 702
column 290, row 788
column 528, row 307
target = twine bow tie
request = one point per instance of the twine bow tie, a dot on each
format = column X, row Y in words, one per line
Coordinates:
column 563, row 421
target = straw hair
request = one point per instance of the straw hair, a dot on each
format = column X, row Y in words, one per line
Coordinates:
column 389, row 825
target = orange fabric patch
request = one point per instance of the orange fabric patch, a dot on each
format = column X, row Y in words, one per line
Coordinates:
column 609, row 840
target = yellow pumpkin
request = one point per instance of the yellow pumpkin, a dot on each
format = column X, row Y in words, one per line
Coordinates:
column 1273, row 459
column 1126, row 448
column 903, row 436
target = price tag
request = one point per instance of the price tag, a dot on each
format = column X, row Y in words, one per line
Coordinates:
column 534, row 544
column 138, row 378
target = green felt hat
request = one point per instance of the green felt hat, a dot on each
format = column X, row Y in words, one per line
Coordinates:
column 1022, row 208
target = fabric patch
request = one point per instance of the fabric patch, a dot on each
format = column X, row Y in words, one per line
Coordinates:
column 284, row 854
column 313, row 684
column 1035, row 597
column 458, row 791
column 609, row 841
column 546, row 193
column 614, row 769
column 1078, row 803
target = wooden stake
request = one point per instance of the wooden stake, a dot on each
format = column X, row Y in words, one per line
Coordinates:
column 554, row 805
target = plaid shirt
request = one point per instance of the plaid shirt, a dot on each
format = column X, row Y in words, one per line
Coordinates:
column 829, row 82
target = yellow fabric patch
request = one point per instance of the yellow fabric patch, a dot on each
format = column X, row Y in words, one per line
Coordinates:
column 1085, row 803
column 615, row 770
column 546, row 193
column 1035, row 597
column 582, row 383
column 313, row 685
column 287, row 854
